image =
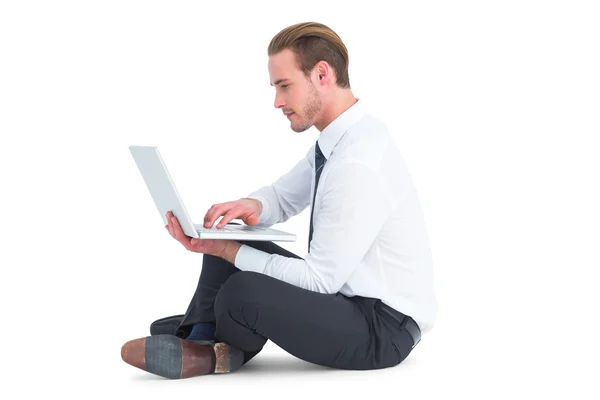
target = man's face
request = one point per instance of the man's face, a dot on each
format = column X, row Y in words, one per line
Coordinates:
column 295, row 94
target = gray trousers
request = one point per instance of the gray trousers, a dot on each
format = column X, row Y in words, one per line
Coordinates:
column 331, row 330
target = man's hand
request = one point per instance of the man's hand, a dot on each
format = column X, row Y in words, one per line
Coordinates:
column 248, row 210
column 206, row 246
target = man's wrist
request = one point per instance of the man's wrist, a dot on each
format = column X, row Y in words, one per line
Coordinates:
column 229, row 251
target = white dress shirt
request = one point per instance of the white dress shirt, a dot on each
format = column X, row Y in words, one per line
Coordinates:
column 369, row 236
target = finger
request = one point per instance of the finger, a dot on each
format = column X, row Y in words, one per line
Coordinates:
column 215, row 212
column 229, row 215
column 210, row 215
column 180, row 235
column 252, row 219
column 176, row 228
column 249, row 216
column 169, row 215
column 170, row 226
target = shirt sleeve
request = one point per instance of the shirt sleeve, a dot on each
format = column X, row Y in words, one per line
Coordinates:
column 288, row 195
column 353, row 208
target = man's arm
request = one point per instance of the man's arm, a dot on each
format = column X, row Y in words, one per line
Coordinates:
column 354, row 207
column 288, row 195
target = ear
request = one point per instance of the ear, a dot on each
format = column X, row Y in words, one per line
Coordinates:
column 323, row 70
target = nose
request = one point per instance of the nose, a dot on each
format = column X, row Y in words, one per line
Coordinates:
column 279, row 103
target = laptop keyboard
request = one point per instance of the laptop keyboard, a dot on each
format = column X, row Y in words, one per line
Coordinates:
column 244, row 229
column 215, row 229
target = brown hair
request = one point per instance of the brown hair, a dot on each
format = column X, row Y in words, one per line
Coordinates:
column 313, row 42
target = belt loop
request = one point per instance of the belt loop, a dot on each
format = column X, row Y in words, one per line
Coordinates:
column 378, row 303
column 404, row 322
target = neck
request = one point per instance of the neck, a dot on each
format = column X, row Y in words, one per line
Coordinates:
column 338, row 104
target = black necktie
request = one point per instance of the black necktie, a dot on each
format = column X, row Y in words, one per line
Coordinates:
column 319, row 163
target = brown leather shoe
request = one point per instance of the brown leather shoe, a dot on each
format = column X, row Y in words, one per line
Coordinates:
column 171, row 357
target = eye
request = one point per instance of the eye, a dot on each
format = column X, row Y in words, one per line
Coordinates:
column 284, row 86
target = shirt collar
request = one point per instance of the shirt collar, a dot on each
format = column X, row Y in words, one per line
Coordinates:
column 333, row 132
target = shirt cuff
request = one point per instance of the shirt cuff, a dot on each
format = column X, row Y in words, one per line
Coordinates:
column 250, row 259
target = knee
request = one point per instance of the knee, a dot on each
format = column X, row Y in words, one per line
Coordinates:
column 238, row 289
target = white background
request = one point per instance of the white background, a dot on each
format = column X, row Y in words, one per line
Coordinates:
column 494, row 105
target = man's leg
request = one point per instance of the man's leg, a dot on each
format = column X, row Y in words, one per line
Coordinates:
column 215, row 272
column 250, row 308
column 170, row 352
column 330, row 330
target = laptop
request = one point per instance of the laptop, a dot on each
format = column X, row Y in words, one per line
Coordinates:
column 166, row 197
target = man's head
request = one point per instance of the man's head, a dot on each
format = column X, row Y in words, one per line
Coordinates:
column 308, row 66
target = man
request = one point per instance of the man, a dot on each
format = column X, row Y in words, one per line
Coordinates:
column 363, row 295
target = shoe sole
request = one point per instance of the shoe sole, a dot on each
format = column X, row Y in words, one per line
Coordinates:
column 174, row 358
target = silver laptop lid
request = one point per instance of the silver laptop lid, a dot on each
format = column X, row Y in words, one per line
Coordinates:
column 161, row 186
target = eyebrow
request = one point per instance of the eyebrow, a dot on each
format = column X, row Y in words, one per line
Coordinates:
column 277, row 82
